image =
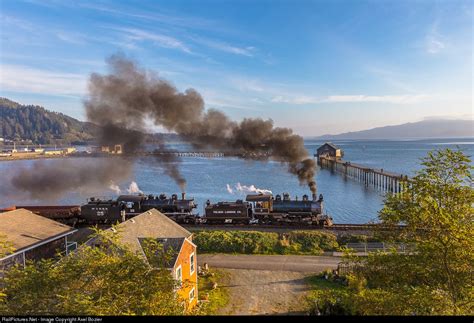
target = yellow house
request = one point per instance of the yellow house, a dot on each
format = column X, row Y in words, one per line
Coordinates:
column 176, row 241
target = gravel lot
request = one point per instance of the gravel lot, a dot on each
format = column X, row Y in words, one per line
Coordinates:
column 264, row 292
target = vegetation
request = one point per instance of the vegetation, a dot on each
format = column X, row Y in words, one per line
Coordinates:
column 41, row 126
column 436, row 277
column 103, row 280
column 256, row 242
column 212, row 294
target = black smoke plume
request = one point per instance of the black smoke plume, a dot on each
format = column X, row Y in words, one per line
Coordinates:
column 124, row 99
column 121, row 102
column 48, row 181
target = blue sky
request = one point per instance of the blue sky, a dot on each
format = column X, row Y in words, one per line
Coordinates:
column 315, row 66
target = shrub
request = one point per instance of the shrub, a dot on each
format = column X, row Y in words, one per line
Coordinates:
column 256, row 242
column 249, row 242
column 313, row 242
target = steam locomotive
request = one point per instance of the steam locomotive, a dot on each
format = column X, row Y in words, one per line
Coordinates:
column 256, row 209
column 265, row 209
column 127, row 206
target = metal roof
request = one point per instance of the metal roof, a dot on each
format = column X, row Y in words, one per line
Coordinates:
column 258, row 197
column 24, row 229
column 330, row 144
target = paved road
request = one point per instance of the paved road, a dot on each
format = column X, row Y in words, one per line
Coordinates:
column 308, row 264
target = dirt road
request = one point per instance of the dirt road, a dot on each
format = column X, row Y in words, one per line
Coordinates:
column 267, row 285
column 264, row 292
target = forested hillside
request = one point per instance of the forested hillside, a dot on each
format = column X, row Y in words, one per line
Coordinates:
column 35, row 123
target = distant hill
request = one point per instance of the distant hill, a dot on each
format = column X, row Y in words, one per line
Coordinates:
column 40, row 126
column 422, row 129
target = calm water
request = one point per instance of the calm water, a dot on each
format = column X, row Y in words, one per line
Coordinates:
column 346, row 200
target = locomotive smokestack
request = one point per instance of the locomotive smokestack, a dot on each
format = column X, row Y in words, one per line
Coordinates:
column 314, row 197
column 183, row 195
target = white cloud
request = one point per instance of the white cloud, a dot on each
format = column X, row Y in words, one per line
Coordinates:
column 134, row 34
column 397, row 99
column 225, row 47
column 433, row 40
column 17, row 78
column 434, row 45
column 296, row 100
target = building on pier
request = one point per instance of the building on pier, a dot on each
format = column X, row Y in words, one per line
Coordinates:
column 329, row 150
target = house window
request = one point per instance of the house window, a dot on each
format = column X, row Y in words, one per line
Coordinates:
column 191, row 295
column 71, row 246
column 191, row 263
column 179, row 275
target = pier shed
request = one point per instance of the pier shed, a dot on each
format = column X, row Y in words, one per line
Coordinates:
column 329, row 150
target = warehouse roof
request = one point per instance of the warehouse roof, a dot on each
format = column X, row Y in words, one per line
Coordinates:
column 23, row 229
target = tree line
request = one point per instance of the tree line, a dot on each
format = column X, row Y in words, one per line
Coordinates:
column 40, row 126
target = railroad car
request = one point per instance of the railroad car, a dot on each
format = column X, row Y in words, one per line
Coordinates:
column 228, row 212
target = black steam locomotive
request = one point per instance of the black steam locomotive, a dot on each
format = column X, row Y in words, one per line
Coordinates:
column 127, row 206
column 265, row 209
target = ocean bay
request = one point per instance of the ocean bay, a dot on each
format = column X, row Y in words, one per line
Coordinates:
column 229, row 178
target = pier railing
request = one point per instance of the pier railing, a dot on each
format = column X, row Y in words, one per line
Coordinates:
column 377, row 178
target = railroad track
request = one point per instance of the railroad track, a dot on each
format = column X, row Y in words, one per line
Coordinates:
column 335, row 227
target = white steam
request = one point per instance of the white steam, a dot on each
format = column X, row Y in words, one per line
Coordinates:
column 134, row 189
column 114, row 187
column 243, row 189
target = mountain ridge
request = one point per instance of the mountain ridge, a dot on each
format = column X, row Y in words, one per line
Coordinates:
column 426, row 129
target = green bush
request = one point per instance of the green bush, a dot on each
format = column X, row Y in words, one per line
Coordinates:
column 354, row 238
column 256, row 242
column 313, row 242
column 248, row 242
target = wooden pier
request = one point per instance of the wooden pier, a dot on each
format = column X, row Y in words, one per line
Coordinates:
column 377, row 178
column 208, row 154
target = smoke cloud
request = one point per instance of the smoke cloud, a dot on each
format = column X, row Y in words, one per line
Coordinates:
column 124, row 99
column 50, row 180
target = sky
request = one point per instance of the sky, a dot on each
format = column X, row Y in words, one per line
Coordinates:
column 317, row 67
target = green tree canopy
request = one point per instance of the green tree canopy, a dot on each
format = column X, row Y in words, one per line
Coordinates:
column 101, row 280
column 435, row 277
